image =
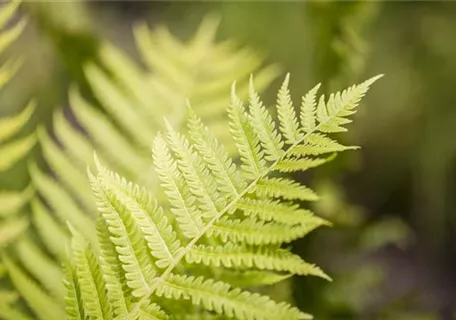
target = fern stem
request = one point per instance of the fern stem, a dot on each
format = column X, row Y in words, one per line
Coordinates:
column 133, row 312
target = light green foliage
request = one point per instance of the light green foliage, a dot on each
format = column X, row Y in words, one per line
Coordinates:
column 220, row 221
column 12, row 147
column 201, row 70
column 213, row 230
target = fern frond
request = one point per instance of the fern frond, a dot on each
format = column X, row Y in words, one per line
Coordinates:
column 67, row 170
column 241, row 257
column 264, row 126
column 15, row 150
column 287, row 115
column 13, row 201
column 116, row 103
column 244, row 231
column 74, row 306
column 183, row 203
column 251, row 231
column 53, row 235
column 7, row 36
column 222, row 299
column 204, row 72
column 252, row 278
column 11, row 34
column 41, row 267
column 332, row 114
column 121, row 146
column 126, row 236
column 152, row 312
column 41, row 304
column 108, row 139
column 11, row 313
column 221, row 165
column 196, row 174
column 158, row 233
column 113, row 272
column 61, row 202
column 12, row 151
column 91, row 283
column 308, row 109
column 11, row 125
column 7, row 11
column 274, row 210
column 139, row 87
column 284, row 188
column 318, row 144
column 294, row 164
column 11, row 229
column 245, row 139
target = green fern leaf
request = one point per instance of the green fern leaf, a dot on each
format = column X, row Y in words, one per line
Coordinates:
column 74, row 306
column 158, row 233
column 308, row 109
column 252, row 278
column 294, row 164
column 274, row 210
column 264, row 126
column 216, row 219
column 91, row 283
column 318, row 144
column 220, row 164
column 183, row 203
column 251, row 231
column 287, row 116
column 245, row 139
column 111, row 266
column 196, row 174
column 284, row 188
column 240, row 257
column 222, row 299
column 152, row 312
column 126, row 236
column 332, row 115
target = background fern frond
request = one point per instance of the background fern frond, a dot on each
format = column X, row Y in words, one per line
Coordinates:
column 44, row 307
column 123, row 92
column 14, row 145
column 120, row 84
column 12, row 149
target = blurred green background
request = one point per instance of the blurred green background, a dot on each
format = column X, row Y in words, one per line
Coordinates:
column 392, row 250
